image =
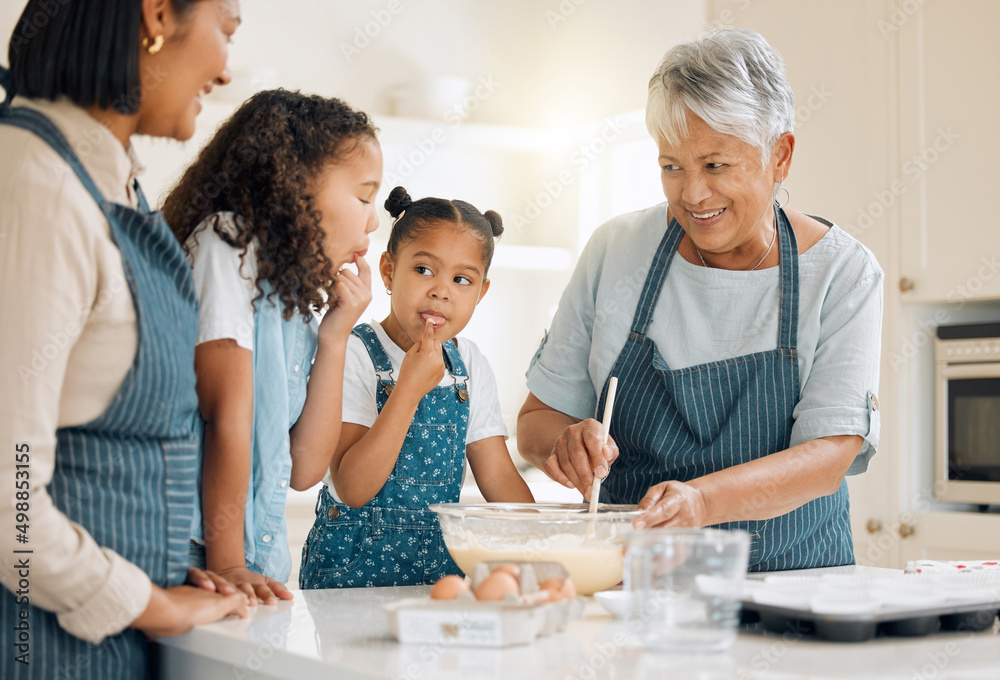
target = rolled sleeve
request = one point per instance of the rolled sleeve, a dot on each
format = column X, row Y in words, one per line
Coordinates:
column 840, row 394
column 116, row 603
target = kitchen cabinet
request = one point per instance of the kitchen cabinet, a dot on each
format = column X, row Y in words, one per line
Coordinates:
column 895, row 140
column 949, row 248
column 951, row 536
column 948, row 57
column 841, row 69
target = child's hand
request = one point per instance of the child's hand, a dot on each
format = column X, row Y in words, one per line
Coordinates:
column 354, row 292
column 255, row 586
column 423, row 365
column 209, row 580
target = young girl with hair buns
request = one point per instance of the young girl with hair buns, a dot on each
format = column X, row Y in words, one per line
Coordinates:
column 417, row 402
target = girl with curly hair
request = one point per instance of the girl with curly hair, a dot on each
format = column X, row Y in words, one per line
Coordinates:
column 274, row 208
column 405, row 439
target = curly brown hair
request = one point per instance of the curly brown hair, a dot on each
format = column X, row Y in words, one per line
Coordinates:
column 259, row 166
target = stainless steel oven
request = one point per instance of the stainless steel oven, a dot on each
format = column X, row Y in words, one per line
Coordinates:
column 967, row 447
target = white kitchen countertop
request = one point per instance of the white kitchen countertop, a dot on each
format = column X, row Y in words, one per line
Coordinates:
column 343, row 634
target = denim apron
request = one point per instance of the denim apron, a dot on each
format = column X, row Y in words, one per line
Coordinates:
column 128, row 477
column 394, row 540
column 683, row 424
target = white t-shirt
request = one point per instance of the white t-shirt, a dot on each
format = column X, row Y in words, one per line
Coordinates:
column 360, row 382
column 225, row 281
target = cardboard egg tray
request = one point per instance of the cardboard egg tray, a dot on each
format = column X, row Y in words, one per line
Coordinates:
column 859, row 608
column 470, row 622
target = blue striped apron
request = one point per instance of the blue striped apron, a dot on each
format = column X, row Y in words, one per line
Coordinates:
column 394, row 540
column 687, row 423
column 128, row 477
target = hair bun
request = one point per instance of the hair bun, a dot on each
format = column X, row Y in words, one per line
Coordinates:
column 496, row 222
column 397, row 202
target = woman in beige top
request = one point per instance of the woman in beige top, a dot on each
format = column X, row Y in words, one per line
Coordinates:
column 97, row 322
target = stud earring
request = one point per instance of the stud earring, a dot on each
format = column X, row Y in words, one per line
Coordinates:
column 153, row 47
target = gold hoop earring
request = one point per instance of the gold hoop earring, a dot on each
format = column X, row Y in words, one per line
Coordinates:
column 774, row 195
column 153, row 47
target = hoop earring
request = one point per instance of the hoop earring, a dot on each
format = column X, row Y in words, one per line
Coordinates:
column 774, row 195
column 388, row 291
column 153, row 47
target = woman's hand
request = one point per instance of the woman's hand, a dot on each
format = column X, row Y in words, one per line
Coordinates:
column 354, row 292
column 256, row 586
column 579, row 453
column 210, row 581
column 423, row 365
column 672, row 504
column 174, row 611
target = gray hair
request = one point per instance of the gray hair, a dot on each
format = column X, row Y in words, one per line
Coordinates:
column 733, row 80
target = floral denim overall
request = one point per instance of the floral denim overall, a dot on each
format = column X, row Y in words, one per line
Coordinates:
column 394, row 540
column 686, row 423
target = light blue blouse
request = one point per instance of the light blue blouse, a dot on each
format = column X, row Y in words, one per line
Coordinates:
column 282, row 360
column 283, row 353
column 706, row 314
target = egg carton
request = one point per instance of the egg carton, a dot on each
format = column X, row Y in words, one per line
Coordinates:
column 466, row 621
column 856, row 608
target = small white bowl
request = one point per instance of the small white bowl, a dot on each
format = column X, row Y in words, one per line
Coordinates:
column 614, row 601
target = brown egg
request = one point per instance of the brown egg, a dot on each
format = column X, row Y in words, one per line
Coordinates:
column 511, row 569
column 496, row 586
column 449, row 587
column 554, row 587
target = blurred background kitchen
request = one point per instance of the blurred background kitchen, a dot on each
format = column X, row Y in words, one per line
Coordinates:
column 533, row 108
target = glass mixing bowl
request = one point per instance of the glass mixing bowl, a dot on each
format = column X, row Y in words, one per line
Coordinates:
column 590, row 546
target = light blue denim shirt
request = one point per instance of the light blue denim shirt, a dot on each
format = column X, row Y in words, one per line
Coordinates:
column 283, row 353
column 283, row 356
column 706, row 315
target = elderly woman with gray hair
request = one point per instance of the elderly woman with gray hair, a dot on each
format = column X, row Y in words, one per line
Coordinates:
column 745, row 336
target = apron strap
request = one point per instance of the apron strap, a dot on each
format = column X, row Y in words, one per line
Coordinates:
column 141, row 196
column 657, row 275
column 788, row 324
column 38, row 123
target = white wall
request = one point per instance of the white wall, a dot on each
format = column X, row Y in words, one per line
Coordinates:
column 583, row 61
column 554, row 67
column 556, row 61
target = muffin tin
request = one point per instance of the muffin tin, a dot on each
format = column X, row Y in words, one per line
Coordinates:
column 856, row 608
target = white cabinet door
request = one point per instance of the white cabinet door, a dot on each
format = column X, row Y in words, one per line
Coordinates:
column 951, row 536
column 948, row 174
